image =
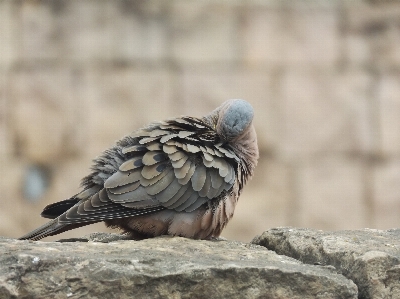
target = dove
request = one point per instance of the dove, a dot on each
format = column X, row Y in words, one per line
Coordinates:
column 180, row 177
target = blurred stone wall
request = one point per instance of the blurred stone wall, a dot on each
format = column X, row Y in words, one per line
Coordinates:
column 323, row 77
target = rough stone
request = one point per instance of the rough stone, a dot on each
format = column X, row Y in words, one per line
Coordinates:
column 160, row 268
column 323, row 77
column 370, row 258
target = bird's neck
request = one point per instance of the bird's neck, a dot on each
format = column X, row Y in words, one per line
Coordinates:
column 246, row 148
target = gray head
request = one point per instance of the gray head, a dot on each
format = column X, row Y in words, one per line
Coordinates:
column 232, row 118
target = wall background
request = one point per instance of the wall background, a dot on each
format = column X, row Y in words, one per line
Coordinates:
column 323, row 77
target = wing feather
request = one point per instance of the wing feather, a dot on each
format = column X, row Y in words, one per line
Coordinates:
column 199, row 177
column 131, row 164
column 121, row 178
column 207, row 185
column 134, row 148
column 169, row 149
column 147, row 182
column 177, row 196
column 154, row 146
column 150, row 171
column 191, row 200
column 166, row 194
column 184, row 197
column 198, row 203
column 125, row 188
column 188, row 175
column 153, row 157
column 176, row 156
column 180, row 163
column 162, row 183
column 136, row 195
column 181, row 172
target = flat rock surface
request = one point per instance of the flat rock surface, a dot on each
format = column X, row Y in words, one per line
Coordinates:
column 164, row 267
column 371, row 258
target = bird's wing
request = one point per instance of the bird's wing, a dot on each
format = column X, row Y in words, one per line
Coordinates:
column 172, row 166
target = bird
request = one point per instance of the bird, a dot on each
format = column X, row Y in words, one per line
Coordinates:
column 181, row 177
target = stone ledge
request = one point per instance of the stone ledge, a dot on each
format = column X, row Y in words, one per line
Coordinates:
column 164, row 267
column 370, row 258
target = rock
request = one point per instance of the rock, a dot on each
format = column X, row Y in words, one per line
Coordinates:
column 164, row 267
column 371, row 258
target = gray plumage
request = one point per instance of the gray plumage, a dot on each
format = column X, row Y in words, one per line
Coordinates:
column 181, row 177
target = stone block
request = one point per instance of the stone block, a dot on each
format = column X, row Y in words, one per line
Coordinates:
column 161, row 268
column 121, row 30
column 370, row 258
column 122, row 100
column 263, row 36
column 86, row 30
column 357, row 50
column 38, row 35
column 139, row 30
column 326, row 112
column 265, row 201
column 330, row 194
column 284, row 4
column 8, row 36
column 47, row 119
column 91, row 31
column 202, row 32
column 376, row 30
column 386, row 198
column 389, row 108
column 298, row 35
column 203, row 91
column 5, row 140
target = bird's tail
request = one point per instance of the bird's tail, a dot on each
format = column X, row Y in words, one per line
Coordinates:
column 51, row 228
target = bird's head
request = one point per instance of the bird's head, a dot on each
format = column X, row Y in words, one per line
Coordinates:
column 232, row 118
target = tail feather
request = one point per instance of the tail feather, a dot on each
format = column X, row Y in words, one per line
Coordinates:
column 56, row 209
column 51, row 228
